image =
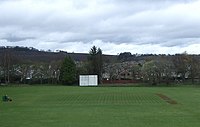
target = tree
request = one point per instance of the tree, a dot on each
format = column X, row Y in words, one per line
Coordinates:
column 181, row 63
column 81, row 68
column 54, row 70
column 160, row 70
column 136, row 71
column 194, row 67
column 165, row 69
column 124, row 56
column 8, row 61
column 149, row 71
column 68, row 71
column 21, row 70
column 95, row 62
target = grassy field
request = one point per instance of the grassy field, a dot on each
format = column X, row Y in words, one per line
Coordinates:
column 62, row 106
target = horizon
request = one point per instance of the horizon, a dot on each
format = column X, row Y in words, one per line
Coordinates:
column 57, row 51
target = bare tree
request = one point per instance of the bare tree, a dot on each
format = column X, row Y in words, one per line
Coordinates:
column 194, row 67
column 181, row 63
column 7, row 65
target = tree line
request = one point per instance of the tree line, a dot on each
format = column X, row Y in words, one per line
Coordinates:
column 154, row 69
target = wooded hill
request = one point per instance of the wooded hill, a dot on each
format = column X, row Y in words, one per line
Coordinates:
column 30, row 54
column 34, row 55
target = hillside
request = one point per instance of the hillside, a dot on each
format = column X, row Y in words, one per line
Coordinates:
column 34, row 55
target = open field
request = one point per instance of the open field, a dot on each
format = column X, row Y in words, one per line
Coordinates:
column 62, row 106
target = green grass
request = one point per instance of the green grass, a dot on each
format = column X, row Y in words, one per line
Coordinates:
column 61, row 106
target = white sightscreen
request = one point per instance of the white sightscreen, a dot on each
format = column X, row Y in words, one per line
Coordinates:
column 88, row 80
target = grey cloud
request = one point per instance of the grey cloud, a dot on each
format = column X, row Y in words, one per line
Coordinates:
column 167, row 22
column 16, row 39
column 13, row 38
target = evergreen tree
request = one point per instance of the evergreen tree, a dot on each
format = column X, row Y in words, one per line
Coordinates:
column 68, row 71
column 95, row 62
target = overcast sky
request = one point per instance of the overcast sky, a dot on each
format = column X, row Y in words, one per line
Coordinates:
column 136, row 26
